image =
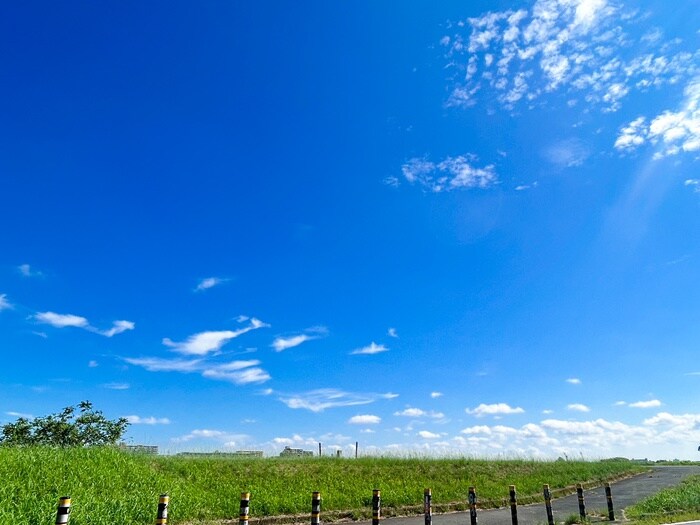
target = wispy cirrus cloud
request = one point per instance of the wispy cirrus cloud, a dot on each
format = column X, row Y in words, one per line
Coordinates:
column 77, row 321
column 495, row 409
column 452, row 173
column 573, row 381
column 324, row 398
column 370, row 349
column 239, row 372
column 204, row 343
column 116, row 386
column 283, row 343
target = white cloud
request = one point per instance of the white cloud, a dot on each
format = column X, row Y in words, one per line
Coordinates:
column 138, row 420
column 417, row 413
column 27, row 271
column 209, row 282
column 496, row 409
column 574, row 381
column 156, row 364
column 324, row 398
column 652, row 403
column 117, row 386
column 20, row 414
column 254, row 375
column 204, row 343
column 581, row 48
column 93, row 364
column 283, row 343
column 365, row 419
column 578, row 407
column 372, row 348
column 223, row 438
column 4, row 303
column 450, row 174
column 425, row 434
column 672, row 132
column 76, row 321
column 435, row 395
column 117, row 328
column 61, row 320
column 392, row 332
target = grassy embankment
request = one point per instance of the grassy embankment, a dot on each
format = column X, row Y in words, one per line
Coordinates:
column 681, row 503
column 108, row 486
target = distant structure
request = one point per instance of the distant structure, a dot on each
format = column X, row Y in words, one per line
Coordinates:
column 140, row 449
column 288, row 451
column 217, row 454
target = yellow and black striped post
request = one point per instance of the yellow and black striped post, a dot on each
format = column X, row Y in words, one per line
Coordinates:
column 608, row 496
column 316, row 508
column 162, row 516
column 244, row 512
column 63, row 512
column 428, row 506
column 581, row 503
column 513, row 505
column 548, row 505
column 376, row 506
column 472, row 505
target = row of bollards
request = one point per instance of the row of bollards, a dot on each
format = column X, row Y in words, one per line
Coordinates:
column 64, row 506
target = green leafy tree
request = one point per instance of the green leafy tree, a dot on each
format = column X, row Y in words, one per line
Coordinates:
column 80, row 426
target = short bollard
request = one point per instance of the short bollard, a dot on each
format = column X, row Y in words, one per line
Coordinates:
column 316, row 508
column 581, row 504
column 376, row 506
column 162, row 516
column 428, row 506
column 608, row 496
column 548, row 505
column 63, row 512
column 244, row 512
column 513, row 505
column 472, row 505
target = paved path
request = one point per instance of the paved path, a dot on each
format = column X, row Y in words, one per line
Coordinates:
column 625, row 493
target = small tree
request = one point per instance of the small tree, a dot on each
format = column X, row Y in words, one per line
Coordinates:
column 80, row 426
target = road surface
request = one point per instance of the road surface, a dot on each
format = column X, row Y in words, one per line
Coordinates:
column 625, row 493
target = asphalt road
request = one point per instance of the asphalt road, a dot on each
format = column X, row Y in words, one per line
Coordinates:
column 624, row 493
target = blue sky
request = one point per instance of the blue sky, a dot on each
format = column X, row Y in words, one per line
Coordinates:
column 452, row 228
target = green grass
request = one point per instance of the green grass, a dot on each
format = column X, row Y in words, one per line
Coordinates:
column 109, row 486
column 681, row 503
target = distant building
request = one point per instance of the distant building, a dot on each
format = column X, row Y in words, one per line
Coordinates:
column 217, row 454
column 140, row 449
column 288, row 451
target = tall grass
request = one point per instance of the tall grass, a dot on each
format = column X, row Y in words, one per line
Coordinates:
column 109, row 486
column 680, row 503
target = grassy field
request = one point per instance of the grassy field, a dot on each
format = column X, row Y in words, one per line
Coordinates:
column 681, row 503
column 109, row 486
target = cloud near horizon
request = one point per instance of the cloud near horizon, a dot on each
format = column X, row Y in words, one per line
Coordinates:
column 495, row 409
